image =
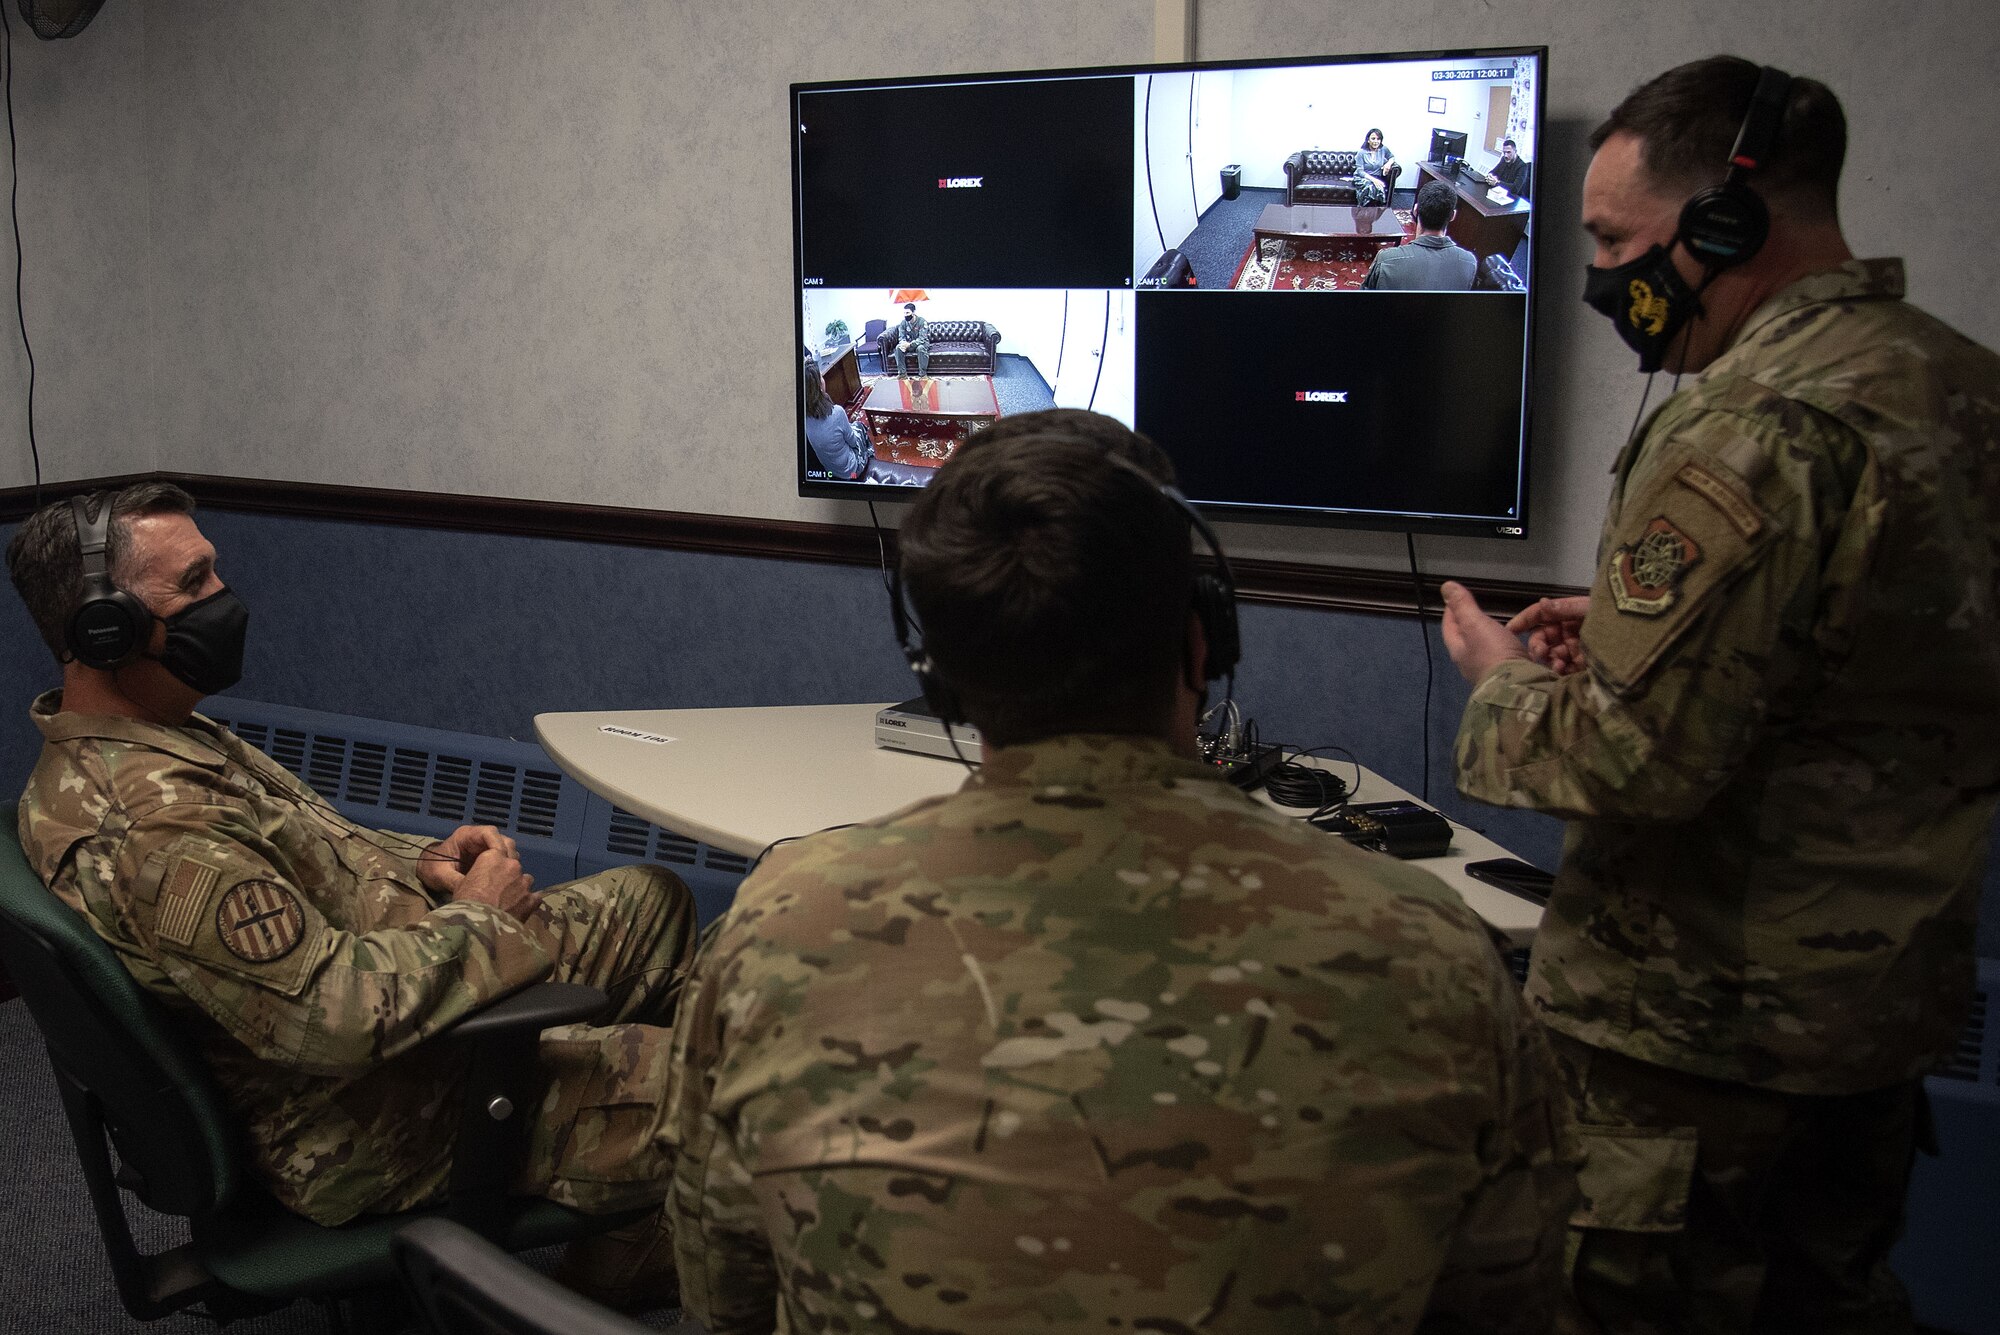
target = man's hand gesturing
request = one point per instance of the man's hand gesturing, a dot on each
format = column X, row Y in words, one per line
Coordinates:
column 1553, row 626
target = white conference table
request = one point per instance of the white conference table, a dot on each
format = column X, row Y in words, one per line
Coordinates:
column 742, row 779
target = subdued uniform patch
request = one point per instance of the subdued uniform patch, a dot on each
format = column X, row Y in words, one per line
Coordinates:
column 185, row 893
column 260, row 921
column 1646, row 573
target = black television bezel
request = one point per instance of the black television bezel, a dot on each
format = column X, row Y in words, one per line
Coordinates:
column 1300, row 517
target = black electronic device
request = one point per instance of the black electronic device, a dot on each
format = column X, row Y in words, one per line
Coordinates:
column 1400, row 829
column 1447, row 145
column 1725, row 225
column 110, row 626
column 1006, row 212
column 1514, row 876
column 1248, row 766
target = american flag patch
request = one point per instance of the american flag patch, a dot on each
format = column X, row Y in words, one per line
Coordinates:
column 187, row 889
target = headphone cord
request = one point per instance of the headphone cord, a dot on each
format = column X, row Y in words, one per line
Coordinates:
column 1424, row 632
column 14, row 209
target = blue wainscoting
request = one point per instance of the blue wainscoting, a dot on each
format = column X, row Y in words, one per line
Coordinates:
column 478, row 633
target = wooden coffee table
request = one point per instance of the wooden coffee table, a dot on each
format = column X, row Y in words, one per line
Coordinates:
column 922, row 420
column 1374, row 224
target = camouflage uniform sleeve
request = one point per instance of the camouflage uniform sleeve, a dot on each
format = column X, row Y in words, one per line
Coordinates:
column 1504, row 1268
column 212, row 902
column 1712, row 560
column 729, row 1279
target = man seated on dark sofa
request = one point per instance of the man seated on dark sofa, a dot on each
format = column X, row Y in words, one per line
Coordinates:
column 1431, row 261
column 308, row 959
column 912, row 335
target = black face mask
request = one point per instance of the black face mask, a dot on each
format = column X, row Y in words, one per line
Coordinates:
column 204, row 649
column 1646, row 300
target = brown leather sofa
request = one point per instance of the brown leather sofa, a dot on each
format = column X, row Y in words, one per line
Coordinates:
column 1326, row 176
column 958, row 347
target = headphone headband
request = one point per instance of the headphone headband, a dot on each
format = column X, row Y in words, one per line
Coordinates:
column 1725, row 225
column 1213, row 595
column 109, row 626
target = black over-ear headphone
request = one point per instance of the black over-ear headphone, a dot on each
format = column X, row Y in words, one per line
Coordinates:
column 1214, row 602
column 1724, row 225
column 110, row 626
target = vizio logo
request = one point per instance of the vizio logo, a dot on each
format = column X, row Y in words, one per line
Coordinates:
column 960, row 182
column 1320, row 396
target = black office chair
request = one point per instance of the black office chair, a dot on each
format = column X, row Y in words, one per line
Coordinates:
column 1498, row 276
column 464, row 1285
column 130, row 1083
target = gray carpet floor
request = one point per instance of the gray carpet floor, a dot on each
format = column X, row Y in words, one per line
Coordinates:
column 58, row 1279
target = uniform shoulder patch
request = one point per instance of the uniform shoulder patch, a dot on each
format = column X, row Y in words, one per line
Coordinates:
column 260, row 921
column 184, row 890
column 1646, row 573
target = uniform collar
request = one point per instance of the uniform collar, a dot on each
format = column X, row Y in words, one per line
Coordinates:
column 1856, row 280
column 1086, row 760
column 1433, row 242
column 198, row 741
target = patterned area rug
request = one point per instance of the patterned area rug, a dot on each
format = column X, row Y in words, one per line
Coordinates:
column 1328, row 264
column 915, row 441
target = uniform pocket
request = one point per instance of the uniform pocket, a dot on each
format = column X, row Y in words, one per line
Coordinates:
column 601, row 1122
column 1635, row 1179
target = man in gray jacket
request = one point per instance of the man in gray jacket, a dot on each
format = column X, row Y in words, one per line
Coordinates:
column 1431, row 261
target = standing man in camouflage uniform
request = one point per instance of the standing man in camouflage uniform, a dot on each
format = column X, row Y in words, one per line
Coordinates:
column 309, row 958
column 1099, row 1042
column 1771, row 725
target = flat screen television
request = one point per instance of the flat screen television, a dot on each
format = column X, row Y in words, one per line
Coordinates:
column 1192, row 249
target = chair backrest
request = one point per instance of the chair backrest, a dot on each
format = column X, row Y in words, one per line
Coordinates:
column 109, row 1039
column 464, row 1285
column 1329, row 160
column 1500, row 275
column 873, row 328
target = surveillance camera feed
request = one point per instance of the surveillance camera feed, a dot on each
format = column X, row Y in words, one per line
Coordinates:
column 1310, row 281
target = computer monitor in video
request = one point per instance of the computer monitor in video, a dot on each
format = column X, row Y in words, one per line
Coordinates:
column 1250, row 263
column 1447, row 144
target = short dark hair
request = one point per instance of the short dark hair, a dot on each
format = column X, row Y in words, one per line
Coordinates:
column 1688, row 118
column 45, row 558
column 1052, row 585
column 909, row 305
column 1508, row 143
column 1436, row 202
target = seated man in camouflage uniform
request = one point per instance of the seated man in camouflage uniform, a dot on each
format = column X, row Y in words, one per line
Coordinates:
column 309, row 958
column 1771, row 727
column 1099, row 1042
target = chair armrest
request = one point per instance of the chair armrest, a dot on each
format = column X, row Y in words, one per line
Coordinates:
column 990, row 337
column 534, row 1009
column 1389, row 176
column 502, row 1091
column 1294, row 165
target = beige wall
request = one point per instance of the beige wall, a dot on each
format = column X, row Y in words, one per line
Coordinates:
column 542, row 249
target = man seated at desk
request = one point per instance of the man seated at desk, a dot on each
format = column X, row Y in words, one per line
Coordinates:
column 1098, row 1041
column 1430, row 261
column 308, row 959
column 1514, row 171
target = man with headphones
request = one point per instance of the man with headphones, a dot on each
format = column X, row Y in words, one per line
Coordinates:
column 1771, row 725
column 1098, row 1042
column 308, row 959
